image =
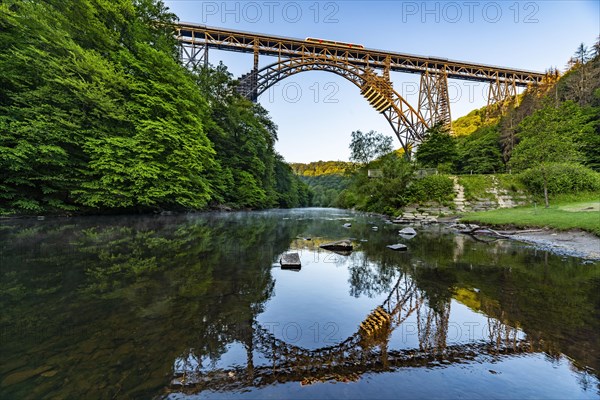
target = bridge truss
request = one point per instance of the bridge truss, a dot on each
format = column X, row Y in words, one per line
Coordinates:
column 369, row 69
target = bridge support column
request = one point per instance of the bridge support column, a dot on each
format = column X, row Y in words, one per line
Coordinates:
column 256, row 43
column 193, row 55
column 248, row 83
column 499, row 93
column 434, row 103
column 432, row 328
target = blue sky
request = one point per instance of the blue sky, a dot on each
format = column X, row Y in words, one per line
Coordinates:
column 317, row 111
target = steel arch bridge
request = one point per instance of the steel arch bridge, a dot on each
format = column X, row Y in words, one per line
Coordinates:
column 364, row 351
column 360, row 66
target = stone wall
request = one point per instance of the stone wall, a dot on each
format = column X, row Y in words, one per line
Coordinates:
column 430, row 212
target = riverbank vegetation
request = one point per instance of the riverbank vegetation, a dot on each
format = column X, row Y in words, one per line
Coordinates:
column 581, row 211
column 98, row 115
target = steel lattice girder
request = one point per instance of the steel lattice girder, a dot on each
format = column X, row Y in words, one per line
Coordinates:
column 434, row 103
column 283, row 47
column 356, row 65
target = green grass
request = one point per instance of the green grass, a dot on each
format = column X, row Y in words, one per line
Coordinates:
column 562, row 214
column 476, row 186
column 511, row 182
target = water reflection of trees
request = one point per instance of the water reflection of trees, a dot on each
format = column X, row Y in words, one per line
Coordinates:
column 368, row 278
column 97, row 301
column 112, row 289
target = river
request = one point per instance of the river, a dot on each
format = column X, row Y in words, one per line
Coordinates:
column 197, row 306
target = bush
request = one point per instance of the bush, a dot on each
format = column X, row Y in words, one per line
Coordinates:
column 562, row 178
column 438, row 188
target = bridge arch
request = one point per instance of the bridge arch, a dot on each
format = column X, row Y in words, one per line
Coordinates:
column 364, row 351
column 408, row 124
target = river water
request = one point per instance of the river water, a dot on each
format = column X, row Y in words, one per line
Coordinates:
column 197, row 306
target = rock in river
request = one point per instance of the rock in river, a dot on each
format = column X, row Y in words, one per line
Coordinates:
column 408, row 231
column 340, row 245
column 290, row 260
column 397, row 247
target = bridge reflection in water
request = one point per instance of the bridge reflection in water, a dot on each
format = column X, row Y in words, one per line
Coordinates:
column 367, row 350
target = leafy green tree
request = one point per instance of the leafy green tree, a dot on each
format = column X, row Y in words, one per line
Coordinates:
column 480, row 152
column 325, row 188
column 96, row 113
column 366, row 147
column 438, row 149
column 244, row 137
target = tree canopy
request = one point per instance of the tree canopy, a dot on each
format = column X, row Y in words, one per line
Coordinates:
column 365, row 147
column 97, row 114
column 438, row 148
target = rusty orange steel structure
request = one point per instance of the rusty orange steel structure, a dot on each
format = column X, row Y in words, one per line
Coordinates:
column 359, row 65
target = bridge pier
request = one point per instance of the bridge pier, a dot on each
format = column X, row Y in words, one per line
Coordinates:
column 499, row 92
column 434, row 103
column 193, row 53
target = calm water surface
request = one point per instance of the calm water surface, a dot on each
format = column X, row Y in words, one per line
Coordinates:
column 197, row 306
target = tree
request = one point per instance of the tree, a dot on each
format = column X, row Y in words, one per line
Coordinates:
column 584, row 76
column 480, row 152
column 97, row 113
column 582, row 54
column 438, row 149
column 365, row 147
column 596, row 47
column 550, row 135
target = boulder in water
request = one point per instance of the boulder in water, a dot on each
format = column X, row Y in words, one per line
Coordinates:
column 408, row 232
column 397, row 247
column 290, row 260
column 340, row 245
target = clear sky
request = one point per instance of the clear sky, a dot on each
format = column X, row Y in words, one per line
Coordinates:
column 317, row 111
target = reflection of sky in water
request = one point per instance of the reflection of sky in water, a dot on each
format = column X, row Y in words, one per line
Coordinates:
column 313, row 307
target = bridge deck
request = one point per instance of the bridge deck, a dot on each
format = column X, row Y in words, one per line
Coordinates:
column 280, row 46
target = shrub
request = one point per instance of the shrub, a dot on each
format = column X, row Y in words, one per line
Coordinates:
column 562, row 178
column 511, row 182
column 438, row 188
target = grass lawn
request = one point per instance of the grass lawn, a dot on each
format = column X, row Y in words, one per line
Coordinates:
column 565, row 212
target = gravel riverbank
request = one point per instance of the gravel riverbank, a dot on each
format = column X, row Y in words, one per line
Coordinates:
column 571, row 243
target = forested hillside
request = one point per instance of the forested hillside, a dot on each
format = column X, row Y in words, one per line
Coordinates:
column 556, row 121
column 326, row 180
column 318, row 168
column 97, row 114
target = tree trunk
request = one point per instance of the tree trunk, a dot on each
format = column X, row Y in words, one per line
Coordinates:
column 546, row 190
